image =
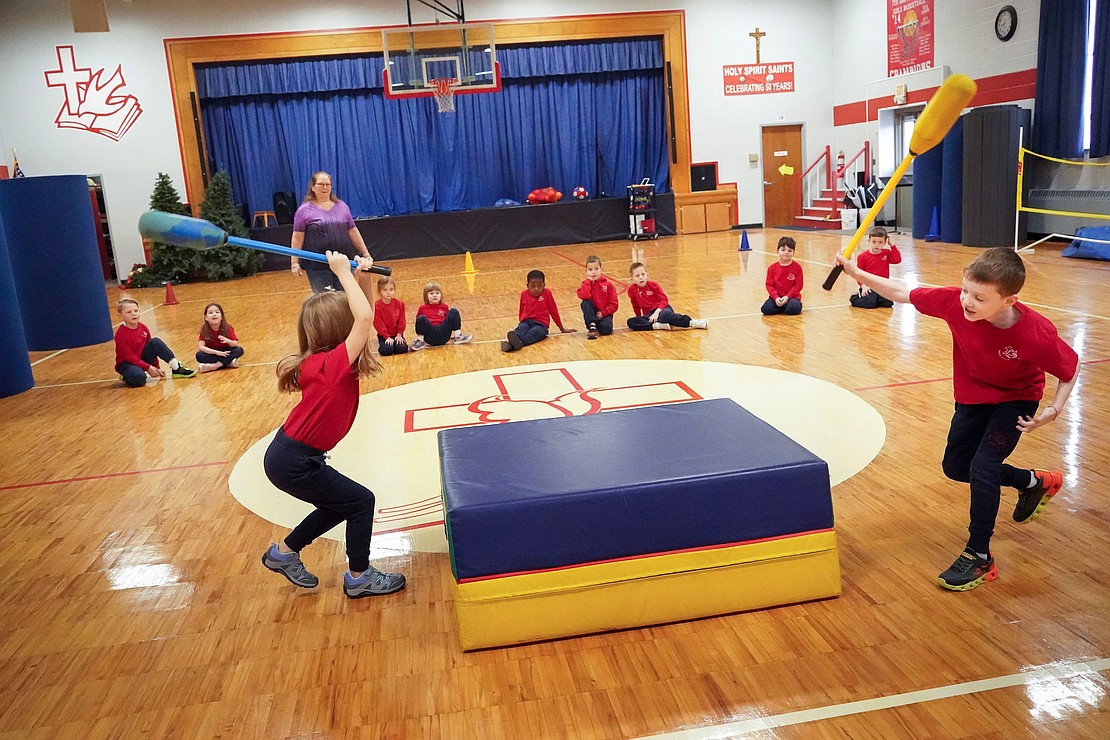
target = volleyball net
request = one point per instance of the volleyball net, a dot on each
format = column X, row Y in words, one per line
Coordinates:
column 1024, row 206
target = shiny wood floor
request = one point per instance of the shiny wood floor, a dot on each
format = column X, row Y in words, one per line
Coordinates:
column 135, row 605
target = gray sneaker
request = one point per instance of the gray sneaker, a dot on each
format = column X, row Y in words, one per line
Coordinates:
column 290, row 566
column 372, row 583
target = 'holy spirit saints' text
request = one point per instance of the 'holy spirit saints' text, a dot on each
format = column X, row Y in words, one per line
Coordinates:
column 756, row 79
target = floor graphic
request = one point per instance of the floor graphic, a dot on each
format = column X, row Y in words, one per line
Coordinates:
column 392, row 447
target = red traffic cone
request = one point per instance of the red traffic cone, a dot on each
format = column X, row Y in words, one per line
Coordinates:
column 171, row 299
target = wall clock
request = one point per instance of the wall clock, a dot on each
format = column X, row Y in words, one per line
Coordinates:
column 1005, row 23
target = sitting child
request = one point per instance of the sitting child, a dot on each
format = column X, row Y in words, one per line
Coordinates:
column 537, row 309
column 784, row 282
column 436, row 322
column 389, row 319
column 877, row 260
column 217, row 345
column 137, row 352
column 652, row 308
column 599, row 300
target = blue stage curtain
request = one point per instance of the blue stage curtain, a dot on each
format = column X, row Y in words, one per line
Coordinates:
column 590, row 114
column 1061, row 61
column 1100, row 88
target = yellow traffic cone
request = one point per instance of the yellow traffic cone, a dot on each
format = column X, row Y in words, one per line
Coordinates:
column 470, row 278
column 468, row 269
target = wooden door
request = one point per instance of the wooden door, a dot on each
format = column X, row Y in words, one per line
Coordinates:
column 781, row 145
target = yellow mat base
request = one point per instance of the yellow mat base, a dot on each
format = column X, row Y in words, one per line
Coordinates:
column 646, row 590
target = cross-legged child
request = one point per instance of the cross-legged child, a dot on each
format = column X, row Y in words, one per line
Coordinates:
column 217, row 345
column 878, row 258
column 436, row 322
column 389, row 319
column 334, row 332
column 599, row 300
column 784, row 282
column 651, row 305
column 137, row 352
column 1001, row 352
column 537, row 309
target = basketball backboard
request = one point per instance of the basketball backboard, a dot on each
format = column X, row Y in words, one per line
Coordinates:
column 415, row 56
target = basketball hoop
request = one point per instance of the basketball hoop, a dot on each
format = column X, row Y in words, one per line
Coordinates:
column 443, row 89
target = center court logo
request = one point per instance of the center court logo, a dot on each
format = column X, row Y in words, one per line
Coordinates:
column 393, row 449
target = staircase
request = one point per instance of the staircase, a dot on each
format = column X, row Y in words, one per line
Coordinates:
column 823, row 213
column 824, row 210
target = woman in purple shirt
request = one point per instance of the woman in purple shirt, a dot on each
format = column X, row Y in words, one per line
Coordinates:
column 321, row 223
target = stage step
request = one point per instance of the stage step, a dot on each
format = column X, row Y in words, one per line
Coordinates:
column 816, row 222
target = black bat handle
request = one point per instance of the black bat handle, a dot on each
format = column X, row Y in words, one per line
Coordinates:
column 831, row 279
column 380, row 270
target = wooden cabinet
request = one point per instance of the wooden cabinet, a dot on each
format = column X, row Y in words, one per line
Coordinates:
column 713, row 210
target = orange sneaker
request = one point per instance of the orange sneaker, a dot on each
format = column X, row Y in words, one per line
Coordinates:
column 1031, row 501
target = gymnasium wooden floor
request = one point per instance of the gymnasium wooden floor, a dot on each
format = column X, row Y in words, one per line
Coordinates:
column 135, row 604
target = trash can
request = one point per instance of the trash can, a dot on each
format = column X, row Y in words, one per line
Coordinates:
column 849, row 218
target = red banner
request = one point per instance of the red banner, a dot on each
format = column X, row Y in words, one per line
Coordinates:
column 909, row 27
column 759, row 79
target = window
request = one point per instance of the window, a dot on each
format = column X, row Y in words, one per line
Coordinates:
column 1088, row 76
column 904, row 121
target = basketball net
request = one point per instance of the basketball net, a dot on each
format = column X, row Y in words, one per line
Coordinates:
column 443, row 89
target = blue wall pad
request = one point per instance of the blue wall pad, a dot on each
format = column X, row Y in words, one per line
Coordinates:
column 55, row 261
column 927, row 182
column 550, row 493
column 15, row 365
column 952, row 185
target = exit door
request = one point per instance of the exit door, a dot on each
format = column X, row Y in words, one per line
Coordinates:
column 782, row 174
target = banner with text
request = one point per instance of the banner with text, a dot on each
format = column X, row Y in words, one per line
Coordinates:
column 909, row 26
column 759, row 79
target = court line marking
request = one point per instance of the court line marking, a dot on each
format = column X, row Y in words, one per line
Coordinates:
column 1056, row 672
column 112, row 475
column 941, row 380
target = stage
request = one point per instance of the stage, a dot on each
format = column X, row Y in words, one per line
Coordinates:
column 488, row 229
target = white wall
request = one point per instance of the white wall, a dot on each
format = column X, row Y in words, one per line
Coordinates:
column 965, row 43
column 838, row 46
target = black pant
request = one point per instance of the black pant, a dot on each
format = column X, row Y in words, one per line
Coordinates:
column 303, row 473
column 792, row 307
column 589, row 315
column 438, row 335
column 980, row 439
column 666, row 316
column 871, row 300
column 233, row 354
column 154, row 350
column 399, row 347
column 323, row 279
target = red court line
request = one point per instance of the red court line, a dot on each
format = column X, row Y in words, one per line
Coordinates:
column 620, row 283
column 113, row 475
column 938, row 380
column 899, row 385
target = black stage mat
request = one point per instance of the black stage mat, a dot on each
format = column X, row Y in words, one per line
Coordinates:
column 488, row 229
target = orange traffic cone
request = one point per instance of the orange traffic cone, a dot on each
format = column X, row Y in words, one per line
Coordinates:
column 171, row 299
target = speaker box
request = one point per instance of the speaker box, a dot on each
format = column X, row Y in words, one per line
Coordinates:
column 703, row 177
column 285, row 206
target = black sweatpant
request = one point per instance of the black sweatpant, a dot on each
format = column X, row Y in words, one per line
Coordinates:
column 980, row 439
column 303, row 473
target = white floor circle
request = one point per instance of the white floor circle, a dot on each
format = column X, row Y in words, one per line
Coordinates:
column 392, row 448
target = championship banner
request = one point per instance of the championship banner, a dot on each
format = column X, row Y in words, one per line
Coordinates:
column 909, row 25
